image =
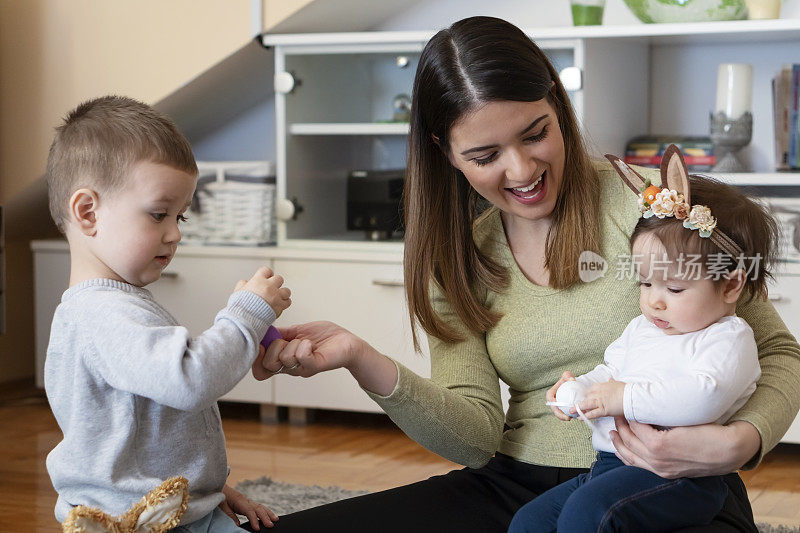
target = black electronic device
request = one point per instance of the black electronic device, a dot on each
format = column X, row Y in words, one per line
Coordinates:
column 374, row 199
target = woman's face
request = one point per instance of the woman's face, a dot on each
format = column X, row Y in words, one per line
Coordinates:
column 512, row 153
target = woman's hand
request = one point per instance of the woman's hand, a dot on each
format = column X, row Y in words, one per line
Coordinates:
column 692, row 451
column 551, row 395
column 237, row 503
column 308, row 349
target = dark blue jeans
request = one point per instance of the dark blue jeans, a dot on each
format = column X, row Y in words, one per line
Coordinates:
column 615, row 497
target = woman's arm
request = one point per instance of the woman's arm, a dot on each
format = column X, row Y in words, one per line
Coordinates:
column 693, row 451
column 773, row 406
column 373, row 371
column 457, row 413
column 320, row 346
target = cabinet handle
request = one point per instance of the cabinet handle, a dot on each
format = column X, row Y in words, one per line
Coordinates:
column 170, row 275
column 284, row 82
column 388, row 282
column 286, row 210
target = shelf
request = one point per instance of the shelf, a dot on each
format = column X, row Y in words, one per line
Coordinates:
column 355, row 128
column 759, row 179
column 734, row 31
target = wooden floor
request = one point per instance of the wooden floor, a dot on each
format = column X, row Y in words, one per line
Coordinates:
column 346, row 449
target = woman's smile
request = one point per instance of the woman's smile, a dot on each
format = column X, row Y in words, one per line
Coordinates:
column 532, row 193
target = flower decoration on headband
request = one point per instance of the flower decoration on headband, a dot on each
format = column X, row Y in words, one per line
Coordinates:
column 674, row 199
column 663, row 203
column 700, row 218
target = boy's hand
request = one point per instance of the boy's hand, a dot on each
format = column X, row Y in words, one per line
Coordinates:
column 603, row 399
column 551, row 395
column 237, row 503
column 268, row 286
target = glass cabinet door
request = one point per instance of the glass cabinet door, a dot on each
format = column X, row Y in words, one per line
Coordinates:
column 347, row 113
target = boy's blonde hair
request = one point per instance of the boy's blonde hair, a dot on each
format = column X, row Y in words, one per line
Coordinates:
column 101, row 140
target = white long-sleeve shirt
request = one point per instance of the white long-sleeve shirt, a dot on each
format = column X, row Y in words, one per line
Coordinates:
column 678, row 380
column 135, row 395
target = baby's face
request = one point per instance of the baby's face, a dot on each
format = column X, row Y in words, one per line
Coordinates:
column 137, row 228
column 671, row 296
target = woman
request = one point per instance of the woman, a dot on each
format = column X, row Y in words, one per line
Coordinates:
column 491, row 119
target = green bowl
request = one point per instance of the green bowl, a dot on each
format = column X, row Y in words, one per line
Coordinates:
column 651, row 11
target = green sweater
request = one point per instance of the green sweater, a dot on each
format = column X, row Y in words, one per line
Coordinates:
column 457, row 413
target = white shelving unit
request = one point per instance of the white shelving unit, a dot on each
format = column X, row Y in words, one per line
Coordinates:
column 692, row 32
column 635, row 79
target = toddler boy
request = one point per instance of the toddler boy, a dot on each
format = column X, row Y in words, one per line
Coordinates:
column 133, row 393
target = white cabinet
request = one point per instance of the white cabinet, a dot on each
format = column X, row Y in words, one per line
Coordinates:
column 784, row 293
column 336, row 118
column 334, row 99
column 365, row 297
column 50, row 279
column 334, row 94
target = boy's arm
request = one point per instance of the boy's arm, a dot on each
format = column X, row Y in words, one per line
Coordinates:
column 723, row 370
column 138, row 353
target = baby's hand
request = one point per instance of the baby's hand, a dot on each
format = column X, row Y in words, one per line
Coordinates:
column 603, row 399
column 237, row 503
column 268, row 286
column 551, row 394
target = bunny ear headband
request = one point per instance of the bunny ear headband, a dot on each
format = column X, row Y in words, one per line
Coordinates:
column 674, row 199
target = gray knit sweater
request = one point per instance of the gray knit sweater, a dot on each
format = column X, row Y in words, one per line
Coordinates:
column 135, row 395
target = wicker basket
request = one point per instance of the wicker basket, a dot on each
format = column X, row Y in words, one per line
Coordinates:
column 233, row 205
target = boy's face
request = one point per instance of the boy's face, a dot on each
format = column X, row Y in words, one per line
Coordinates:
column 676, row 302
column 137, row 227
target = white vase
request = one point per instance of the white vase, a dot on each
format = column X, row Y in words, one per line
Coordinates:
column 763, row 9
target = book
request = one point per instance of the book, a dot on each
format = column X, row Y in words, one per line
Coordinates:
column 646, row 151
column 786, row 117
column 781, row 98
column 794, row 125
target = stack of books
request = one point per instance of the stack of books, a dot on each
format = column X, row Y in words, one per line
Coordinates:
column 646, row 151
column 785, row 102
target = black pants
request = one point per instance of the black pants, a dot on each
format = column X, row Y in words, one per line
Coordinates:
column 480, row 500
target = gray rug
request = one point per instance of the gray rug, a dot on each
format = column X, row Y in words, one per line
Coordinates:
column 766, row 528
column 285, row 498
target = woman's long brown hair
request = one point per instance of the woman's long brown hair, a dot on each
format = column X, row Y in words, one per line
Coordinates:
column 475, row 61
